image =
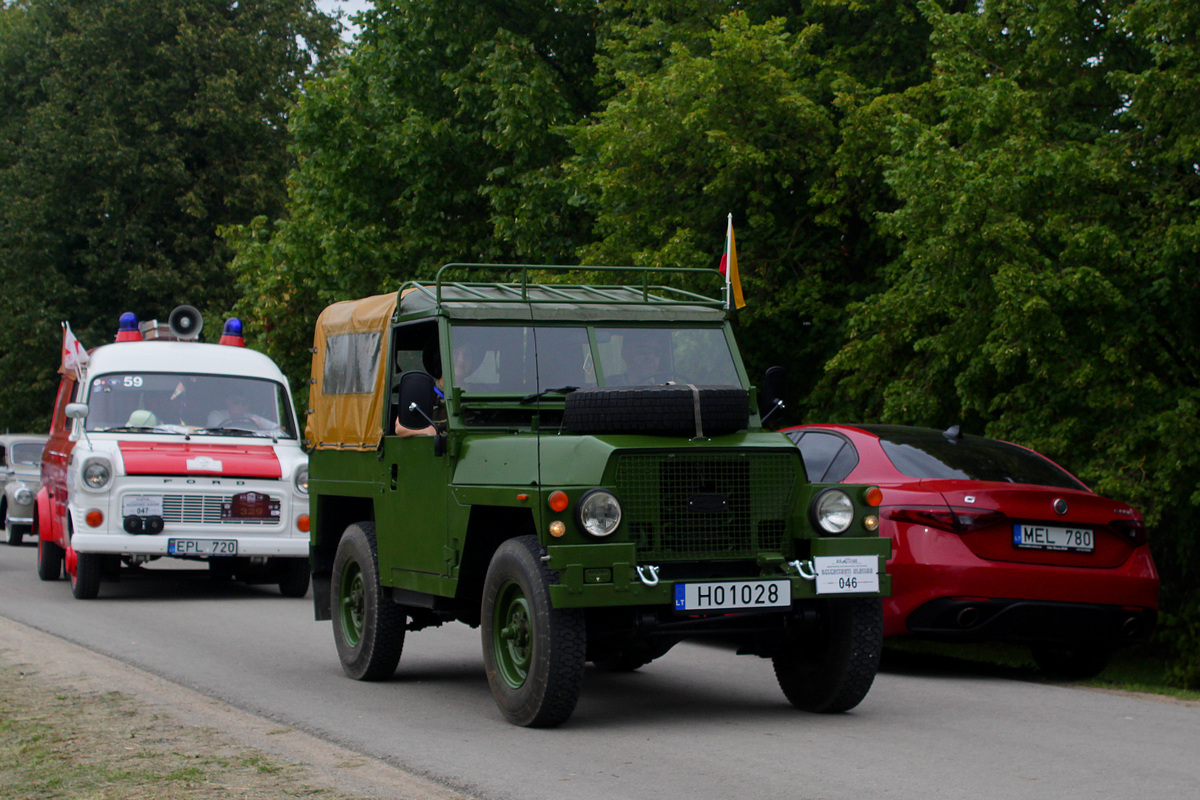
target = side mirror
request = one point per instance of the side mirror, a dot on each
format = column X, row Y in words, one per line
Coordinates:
column 774, row 390
column 416, row 400
column 76, row 410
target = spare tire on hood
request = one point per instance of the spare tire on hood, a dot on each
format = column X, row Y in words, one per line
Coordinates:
column 671, row 410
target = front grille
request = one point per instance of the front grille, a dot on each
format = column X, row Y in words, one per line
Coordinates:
column 203, row 509
column 683, row 506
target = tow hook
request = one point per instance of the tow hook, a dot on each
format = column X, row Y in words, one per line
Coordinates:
column 653, row 579
column 805, row 568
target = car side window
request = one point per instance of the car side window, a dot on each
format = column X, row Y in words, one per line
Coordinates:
column 828, row 458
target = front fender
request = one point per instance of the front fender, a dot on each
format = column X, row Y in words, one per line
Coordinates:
column 41, row 511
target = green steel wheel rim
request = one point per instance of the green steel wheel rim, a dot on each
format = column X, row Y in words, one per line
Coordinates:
column 513, row 635
column 352, row 603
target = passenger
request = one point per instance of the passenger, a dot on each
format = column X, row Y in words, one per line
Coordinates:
column 467, row 357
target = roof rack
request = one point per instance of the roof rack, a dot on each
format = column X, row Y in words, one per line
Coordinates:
column 526, row 290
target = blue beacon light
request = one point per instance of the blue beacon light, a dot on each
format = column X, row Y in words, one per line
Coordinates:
column 127, row 328
column 232, row 334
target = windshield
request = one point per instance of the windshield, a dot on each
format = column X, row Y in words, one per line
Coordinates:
column 540, row 358
column 930, row 455
column 169, row 402
column 29, row 453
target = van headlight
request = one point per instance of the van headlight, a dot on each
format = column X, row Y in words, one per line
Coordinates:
column 598, row 512
column 300, row 480
column 96, row 473
column 833, row 511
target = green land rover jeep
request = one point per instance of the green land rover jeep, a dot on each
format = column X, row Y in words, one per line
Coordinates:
column 593, row 483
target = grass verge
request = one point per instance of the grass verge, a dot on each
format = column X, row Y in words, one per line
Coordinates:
column 58, row 743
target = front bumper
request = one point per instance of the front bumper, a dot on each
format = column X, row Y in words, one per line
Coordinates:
column 157, row 545
column 605, row 575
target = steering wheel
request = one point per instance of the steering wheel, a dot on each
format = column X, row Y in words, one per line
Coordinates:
column 243, row 422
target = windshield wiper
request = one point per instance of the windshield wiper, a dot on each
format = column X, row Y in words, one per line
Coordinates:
column 539, row 395
column 219, row 431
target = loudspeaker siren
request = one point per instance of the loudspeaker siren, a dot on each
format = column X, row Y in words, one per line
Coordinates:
column 185, row 322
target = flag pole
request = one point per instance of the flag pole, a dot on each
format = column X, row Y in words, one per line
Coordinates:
column 725, row 263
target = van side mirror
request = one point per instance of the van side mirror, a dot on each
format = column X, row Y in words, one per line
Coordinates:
column 774, row 390
column 76, row 410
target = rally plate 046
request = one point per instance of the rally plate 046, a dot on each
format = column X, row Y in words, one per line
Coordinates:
column 732, row 595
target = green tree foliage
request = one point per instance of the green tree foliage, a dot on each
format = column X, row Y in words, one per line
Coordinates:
column 437, row 141
column 713, row 109
column 129, row 132
column 1046, row 287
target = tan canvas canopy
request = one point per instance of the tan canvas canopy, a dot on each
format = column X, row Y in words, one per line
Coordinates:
column 347, row 393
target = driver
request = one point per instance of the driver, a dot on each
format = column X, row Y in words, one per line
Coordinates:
column 467, row 358
column 237, row 410
column 644, row 361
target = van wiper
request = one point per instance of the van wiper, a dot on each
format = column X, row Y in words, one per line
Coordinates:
column 561, row 390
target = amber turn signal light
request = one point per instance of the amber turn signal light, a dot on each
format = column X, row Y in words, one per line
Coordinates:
column 559, row 501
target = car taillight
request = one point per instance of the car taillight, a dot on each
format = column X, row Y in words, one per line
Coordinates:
column 1132, row 530
column 954, row 520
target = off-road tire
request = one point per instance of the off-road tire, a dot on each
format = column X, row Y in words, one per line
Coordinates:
column 368, row 628
column 659, row 410
column 830, row 669
column 294, row 576
column 533, row 653
column 1072, row 662
column 85, row 583
column 50, row 560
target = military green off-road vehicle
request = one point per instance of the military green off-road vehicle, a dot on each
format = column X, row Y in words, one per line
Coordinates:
column 593, row 484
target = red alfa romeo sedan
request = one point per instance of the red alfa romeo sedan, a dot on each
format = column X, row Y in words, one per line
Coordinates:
column 994, row 542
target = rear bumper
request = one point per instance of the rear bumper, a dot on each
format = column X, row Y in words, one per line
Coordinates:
column 936, row 578
column 1007, row 620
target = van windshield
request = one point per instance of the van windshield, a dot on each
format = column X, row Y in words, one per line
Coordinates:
column 158, row 402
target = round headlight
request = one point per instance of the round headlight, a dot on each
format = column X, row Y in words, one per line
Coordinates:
column 24, row 497
column 301, row 480
column 833, row 511
column 96, row 474
column 599, row 512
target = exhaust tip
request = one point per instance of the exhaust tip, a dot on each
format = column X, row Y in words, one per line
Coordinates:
column 968, row 617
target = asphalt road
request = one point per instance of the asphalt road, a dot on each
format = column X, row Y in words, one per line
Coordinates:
column 699, row 723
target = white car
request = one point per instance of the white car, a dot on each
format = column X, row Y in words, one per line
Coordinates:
column 20, row 466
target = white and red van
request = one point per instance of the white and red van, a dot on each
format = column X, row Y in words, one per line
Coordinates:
column 164, row 447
